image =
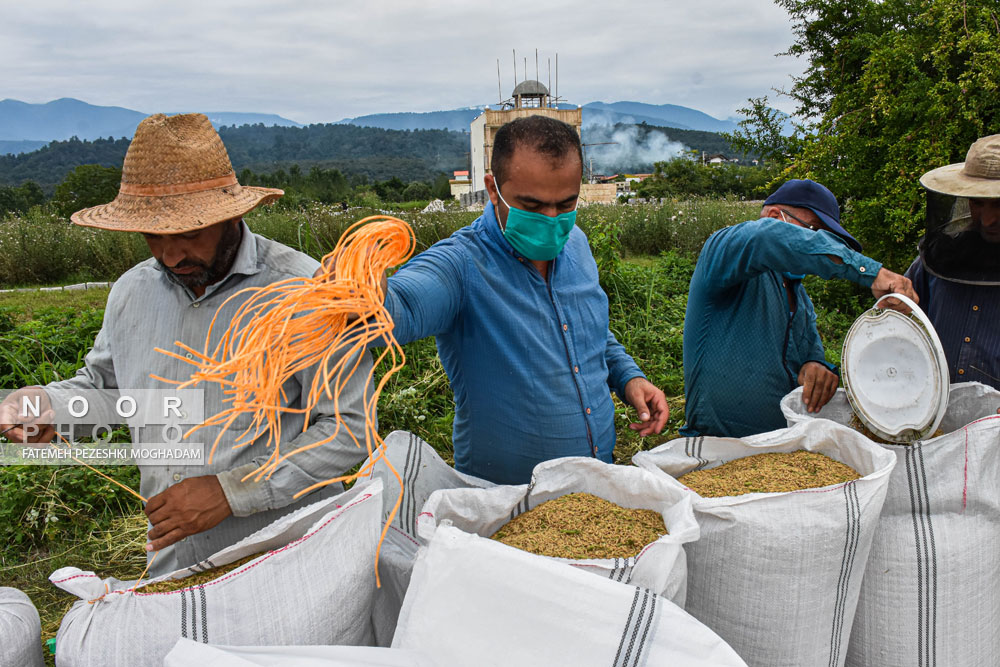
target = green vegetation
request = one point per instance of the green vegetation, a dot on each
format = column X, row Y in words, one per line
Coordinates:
column 892, row 89
column 52, row 517
column 686, row 177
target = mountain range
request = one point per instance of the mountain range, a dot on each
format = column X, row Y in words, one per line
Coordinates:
column 33, row 125
column 26, row 127
column 594, row 113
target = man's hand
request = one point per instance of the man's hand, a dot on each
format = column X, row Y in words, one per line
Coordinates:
column 887, row 282
column 818, row 385
column 650, row 403
column 22, row 426
column 188, row 507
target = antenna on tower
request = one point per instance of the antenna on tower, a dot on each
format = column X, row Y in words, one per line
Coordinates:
column 536, row 64
column 499, row 87
column 513, row 61
column 557, row 78
column 550, row 81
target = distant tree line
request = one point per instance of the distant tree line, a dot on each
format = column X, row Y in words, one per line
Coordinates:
column 687, row 176
column 417, row 155
column 92, row 184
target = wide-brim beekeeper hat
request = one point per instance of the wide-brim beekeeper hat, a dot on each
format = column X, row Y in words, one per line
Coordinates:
column 978, row 176
column 177, row 178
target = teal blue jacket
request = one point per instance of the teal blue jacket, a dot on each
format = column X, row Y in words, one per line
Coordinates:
column 743, row 343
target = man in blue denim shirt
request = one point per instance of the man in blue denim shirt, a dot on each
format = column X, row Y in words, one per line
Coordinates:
column 750, row 331
column 520, row 320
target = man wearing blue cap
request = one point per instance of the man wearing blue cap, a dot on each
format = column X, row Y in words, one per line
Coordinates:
column 750, row 331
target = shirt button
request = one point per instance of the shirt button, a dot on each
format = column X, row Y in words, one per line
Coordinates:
column 189, row 355
column 961, row 371
column 196, row 304
column 177, row 476
column 968, row 340
column 588, row 411
column 565, row 327
column 975, row 308
column 861, row 269
column 576, row 369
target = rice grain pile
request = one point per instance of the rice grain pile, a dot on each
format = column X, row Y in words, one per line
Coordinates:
column 769, row 473
column 858, row 426
column 171, row 585
column 581, row 525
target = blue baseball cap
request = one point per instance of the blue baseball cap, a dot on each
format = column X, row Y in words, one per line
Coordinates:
column 804, row 193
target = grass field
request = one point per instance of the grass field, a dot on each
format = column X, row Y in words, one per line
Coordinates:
column 54, row 517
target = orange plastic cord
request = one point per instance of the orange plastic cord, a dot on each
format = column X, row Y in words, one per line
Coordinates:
column 325, row 323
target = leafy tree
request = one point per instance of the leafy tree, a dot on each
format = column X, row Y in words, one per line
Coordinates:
column 87, row 185
column 684, row 177
column 893, row 88
column 20, row 199
column 760, row 132
column 417, row 191
column 441, row 189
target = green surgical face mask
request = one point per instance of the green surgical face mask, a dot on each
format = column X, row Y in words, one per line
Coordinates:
column 534, row 235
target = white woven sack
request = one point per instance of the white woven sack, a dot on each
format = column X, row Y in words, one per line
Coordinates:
column 478, row 602
column 423, row 472
column 187, row 653
column 20, row 630
column 777, row 575
column 931, row 592
column 659, row 566
column 314, row 586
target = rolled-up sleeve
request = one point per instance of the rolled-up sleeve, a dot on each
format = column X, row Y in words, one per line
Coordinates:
column 311, row 466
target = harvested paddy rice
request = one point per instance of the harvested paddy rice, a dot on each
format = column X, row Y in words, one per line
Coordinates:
column 769, row 473
column 581, row 525
column 858, row 426
column 171, row 585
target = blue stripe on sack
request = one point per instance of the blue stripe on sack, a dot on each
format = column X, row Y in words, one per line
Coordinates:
column 932, row 570
column 926, row 553
column 635, row 628
column 194, row 614
column 407, row 493
column 853, row 509
column 628, row 625
column 204, row 615
column 184, row 629
column 650, row 618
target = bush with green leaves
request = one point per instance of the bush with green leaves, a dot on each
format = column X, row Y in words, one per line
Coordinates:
column 892, row 89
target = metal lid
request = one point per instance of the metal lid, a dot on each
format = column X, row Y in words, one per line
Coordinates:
column 895, row 372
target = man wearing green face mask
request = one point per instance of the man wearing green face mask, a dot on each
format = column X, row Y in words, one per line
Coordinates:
column 520, row 320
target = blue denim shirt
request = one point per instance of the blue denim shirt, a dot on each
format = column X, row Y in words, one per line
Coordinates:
column 966, row 320
column 530, row 362
column 743, row 347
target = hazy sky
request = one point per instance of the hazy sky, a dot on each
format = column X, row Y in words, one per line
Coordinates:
column 323, row 60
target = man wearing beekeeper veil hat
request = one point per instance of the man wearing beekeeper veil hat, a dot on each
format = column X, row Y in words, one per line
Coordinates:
column 957, row 274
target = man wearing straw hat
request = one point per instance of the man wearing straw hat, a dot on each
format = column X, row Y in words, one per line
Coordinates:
column 180, row 192
column 957, row 273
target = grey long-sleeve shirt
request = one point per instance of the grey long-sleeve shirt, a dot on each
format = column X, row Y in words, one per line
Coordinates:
column 146, row 309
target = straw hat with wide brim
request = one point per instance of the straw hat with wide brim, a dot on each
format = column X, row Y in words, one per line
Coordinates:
column 177, row 178
column 978, row 176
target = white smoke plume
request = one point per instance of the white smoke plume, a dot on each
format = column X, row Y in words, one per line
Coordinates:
column 631, row 148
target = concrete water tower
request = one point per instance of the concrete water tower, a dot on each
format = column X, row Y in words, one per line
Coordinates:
column 529, row 98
